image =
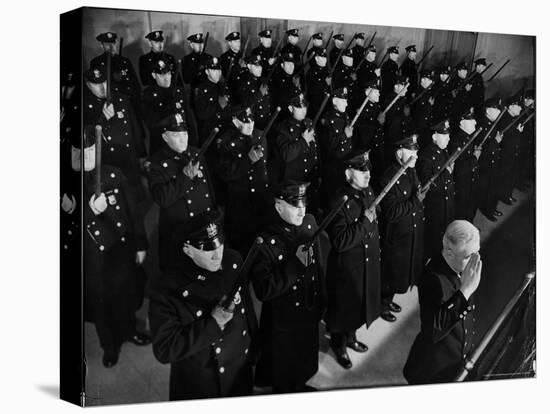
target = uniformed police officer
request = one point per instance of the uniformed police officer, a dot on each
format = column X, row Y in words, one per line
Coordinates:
column 461, row 102
column 288, row 278
column 439, row 205
column 395, row 119
column 402, row 223
column 316, row 43
column 477, row 94
column 353, row 273
column 124, row 142
column 160, row 100
column 368, row 71
column 422, row 109
column 318, row 80
column 243, row 167
column 336, row 144
column 114, row 245
column 527, row 145
column 192, row 66
column 447, row 308
column 284, row 85
column 338, row 40
column 465, row 171
column 409, row 69
column 148, row 62
column 178, row 183
column 442, row 94
column 265, row 50
column 231, row 57
column 488, row 193
column 207, row 345
column 122, row 71
column 291, row 46
column 389, row 71
column 345, row 76
column 359, row 49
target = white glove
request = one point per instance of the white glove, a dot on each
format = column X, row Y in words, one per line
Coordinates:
column 140, row 257
column 99, row 204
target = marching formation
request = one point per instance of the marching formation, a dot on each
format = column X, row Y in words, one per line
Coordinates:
column 327, row 179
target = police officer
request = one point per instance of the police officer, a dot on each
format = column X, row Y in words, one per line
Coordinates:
column 344, row 75
column 359, row 49
column 335, row 142
column 389, row 71
column 353, row 273
column 510, row 147
column 395, row 119
column 148, row 62
column 402, row 224
column 284, row 85
column 178, row 183
column 488, row 190
column 288, row 278
column 409, row 69
column 465, row 171
column 124, row 142
column 316, row 43
column 442, row 94
column 422, row 109
column 122, row 71
column 461, row 94
column 293, row 38
column 338, row 40
column 368, row 71
column 243, row 167
column 251, row 91
column 207, row 345
column 160, row 100
column 440, row 199
column 192, row 66
column 318, row 80
column 447, row 307
column 477, row 94
column 114, row 245
column 526, row 164
column 296, row 150
column 265, row 50
column 232, row 56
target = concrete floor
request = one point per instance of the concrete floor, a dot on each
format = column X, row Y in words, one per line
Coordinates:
column 507, row 252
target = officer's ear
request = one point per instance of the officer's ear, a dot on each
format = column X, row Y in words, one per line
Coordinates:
column 165, row 136
column 235, row 122
column 290, row 108
column 278, row 206
column 334, row 100
column 348, row 173
column 399, row 153
column 188, row 250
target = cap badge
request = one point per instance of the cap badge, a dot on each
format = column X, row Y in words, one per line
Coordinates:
column 109, row 35
column 414, row 137
column 161, row 64
column 211, row 230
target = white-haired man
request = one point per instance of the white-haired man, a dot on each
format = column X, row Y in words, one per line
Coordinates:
column 446, row 308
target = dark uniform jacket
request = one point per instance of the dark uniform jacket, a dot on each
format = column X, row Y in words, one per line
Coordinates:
column 509, row 156
column 293, row 299
column 207, row 108
column 179, row 197
column 395, row 126
column 446, row 331
column 353, row 273
column 440, row 199
column 465, row 176
column 265, row 54
column 123, row 74
column 388, row 73
column 205, row 361
column 247, row 93
column 317, row 87
column 402, row 228
column 368, row 134
column 477, row 94
column 443, row 100
column 488, row 188
column 422, row 116
column 358, row 54
column 192, row 67
column 157, row 104
column 283, row 89
column 295, row 50
column 225, row 62
column 366, row 73
column 333, row 55
column 148, row 62
column 410, row 70
column 461, row 103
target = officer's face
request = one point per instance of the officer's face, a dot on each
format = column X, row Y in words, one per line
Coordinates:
column 412, row 55
column 98, row 89
column 89, row 158
column 338, row 43
column 460, row 255
column 245, row 128
column 462, row 73
column 480, row 68
column 196, row 47
column 317, row 42
column 347, row 61
column 110, row 47
column 373, row 94
column 163, row 80
column 321, row 61
column 288, row 67
column 298, row 113
column 528, row 102
column 425, row 82
column 256, row 70
column 214, row 75
column 398, row 87
column 157, row 47
column 394, row 56
column 340, row 104
column 514, row 110
column 292, row 39
column 210, row 260
column 492, row 113
column 403, row 155
column 265, row 41
column 359, row 41
column 289, row 213
column 443, row 76
column 358, row 179
column 441, row 140
column 235, row 45
column 371, row 56
column 176, row 140
column 468, row 125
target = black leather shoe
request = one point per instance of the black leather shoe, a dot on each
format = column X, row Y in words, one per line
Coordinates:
column 513, row 199
column 498, row 213
column 140, row 339
column 358, row 346
column 388, row 316
column 110, row 357
column 394, row 307
column 491, row 218
column 507, row 201
column 342, row 358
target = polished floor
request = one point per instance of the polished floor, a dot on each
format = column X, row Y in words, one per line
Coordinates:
column 508, row 254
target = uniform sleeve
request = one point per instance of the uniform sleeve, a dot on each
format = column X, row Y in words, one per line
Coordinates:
column 346, row 235
column 444, row 314
column 395, row 209
column 290, row 147
column 268, row 276
column 134, row 215
column 166, row 192
column 204, row 107
column 424, row 169
column 233, row 167
column 174, row 339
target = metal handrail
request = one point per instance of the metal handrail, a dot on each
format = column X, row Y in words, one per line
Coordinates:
column 474, row 357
